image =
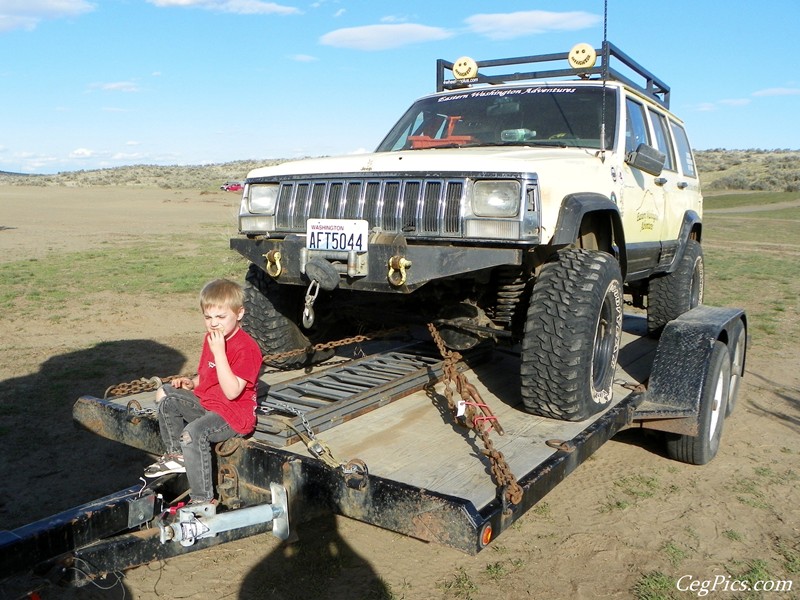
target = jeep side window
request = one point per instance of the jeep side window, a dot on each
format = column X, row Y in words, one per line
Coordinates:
column 684, row 150
column 663, row 139
column 635, row 126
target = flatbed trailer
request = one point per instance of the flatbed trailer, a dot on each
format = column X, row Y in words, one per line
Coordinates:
column 377, row 442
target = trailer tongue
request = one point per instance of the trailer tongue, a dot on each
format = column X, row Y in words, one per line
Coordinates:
column 374, row 439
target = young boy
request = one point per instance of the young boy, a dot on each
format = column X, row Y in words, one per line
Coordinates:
column 216, row 404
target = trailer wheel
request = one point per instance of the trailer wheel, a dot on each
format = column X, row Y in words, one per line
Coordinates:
column 700, row 449
column 572, row 336
column 266, row 316
column 737, row 345
column 669, row 296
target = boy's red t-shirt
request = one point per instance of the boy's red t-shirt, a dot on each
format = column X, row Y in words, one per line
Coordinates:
column 244, row 357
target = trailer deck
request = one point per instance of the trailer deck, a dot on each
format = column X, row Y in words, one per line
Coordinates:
column 427, row 475
column 414, row 440
column 402, row 462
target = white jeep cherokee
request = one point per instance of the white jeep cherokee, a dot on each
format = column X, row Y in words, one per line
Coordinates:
column 517, row 208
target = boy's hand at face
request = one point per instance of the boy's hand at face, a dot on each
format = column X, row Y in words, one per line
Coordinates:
column 216, row 341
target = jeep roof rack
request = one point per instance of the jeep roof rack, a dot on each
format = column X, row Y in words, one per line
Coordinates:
column 652, row 87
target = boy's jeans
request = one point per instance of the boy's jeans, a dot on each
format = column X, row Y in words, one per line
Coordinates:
column 188, row 428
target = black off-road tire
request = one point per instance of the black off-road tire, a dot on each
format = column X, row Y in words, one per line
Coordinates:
column 572, row 336
column 700, row 449
column 268, row 316
column 671, row 295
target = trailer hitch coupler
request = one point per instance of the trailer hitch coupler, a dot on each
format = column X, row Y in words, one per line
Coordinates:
column 202, row 521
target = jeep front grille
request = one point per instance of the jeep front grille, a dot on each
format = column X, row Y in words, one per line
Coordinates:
column 413, row 206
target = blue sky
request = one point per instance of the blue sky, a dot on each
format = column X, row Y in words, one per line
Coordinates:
column 89, row 84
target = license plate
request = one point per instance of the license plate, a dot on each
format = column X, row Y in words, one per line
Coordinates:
column 337, row 234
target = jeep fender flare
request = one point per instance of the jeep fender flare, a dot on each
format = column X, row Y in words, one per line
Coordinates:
column 691, row 228
column 575, row 208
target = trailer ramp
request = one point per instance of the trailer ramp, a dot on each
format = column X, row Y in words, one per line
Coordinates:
column 319, row 401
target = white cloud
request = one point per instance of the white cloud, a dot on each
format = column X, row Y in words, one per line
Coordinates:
column 394, row 19
column 736, row 102
column 383, row 37
column 781, row 91
column 713, row 106
column 339, row 12
column 82, row 153
column 706, row 107
column 26, row 14
column 506, row 26
column 239, row 7
column 303, row 57
column 116, row 86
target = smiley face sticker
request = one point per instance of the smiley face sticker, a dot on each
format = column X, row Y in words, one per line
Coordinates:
column 465, row 68
column 582, row 56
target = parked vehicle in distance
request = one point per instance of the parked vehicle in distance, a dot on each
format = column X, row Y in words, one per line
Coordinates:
column 232, row 186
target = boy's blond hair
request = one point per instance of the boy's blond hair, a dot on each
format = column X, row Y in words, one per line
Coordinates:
column 222, row 292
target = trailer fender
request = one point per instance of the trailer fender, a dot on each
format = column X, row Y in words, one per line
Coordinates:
column 681, row 367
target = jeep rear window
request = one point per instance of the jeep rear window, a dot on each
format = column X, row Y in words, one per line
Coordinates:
column 663, row 141
column 528, row 116
column 684, row 150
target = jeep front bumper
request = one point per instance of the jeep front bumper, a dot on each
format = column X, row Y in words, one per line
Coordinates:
column 390, row 265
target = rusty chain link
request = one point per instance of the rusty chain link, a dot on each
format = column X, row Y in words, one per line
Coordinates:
column 145, row 384
column 356, row 339
column 471, row 399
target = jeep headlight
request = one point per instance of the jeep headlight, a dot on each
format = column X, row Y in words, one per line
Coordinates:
column 262, row 198
column 496, row 198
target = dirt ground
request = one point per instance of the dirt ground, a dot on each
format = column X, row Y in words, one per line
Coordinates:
column 622, row 524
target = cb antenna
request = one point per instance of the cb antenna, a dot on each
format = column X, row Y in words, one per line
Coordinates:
column 606, row 56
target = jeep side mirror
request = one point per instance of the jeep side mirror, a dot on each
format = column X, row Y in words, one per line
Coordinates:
column 647, row 159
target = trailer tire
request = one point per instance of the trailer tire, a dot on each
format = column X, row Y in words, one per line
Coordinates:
column 266, row 317
column 700, row 449
column 572, row 336
column 671, row 295
column 737, row 342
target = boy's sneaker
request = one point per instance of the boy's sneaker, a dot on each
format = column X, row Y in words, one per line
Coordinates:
column 169, row 463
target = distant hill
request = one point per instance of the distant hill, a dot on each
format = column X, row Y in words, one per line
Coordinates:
column 750, row 170
column 167, row 177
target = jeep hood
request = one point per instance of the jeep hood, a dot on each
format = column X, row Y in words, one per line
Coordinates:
column 484, row 159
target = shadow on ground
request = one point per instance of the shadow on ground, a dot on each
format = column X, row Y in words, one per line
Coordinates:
column 319, row 564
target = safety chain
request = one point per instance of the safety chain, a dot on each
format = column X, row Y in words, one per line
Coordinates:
column 144, row 384
column 466, row 407
column 355, row 471
column 356, row 339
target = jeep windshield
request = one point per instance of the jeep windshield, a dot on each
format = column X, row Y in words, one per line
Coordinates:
column 567, row 116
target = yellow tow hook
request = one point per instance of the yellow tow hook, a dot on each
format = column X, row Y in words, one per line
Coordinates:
column 273, row 263
column 397, row 270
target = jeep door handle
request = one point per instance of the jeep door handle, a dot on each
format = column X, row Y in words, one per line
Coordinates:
column 682, row 185
column 660, row 180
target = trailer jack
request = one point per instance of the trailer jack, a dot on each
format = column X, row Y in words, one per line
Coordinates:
column 202, row 521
